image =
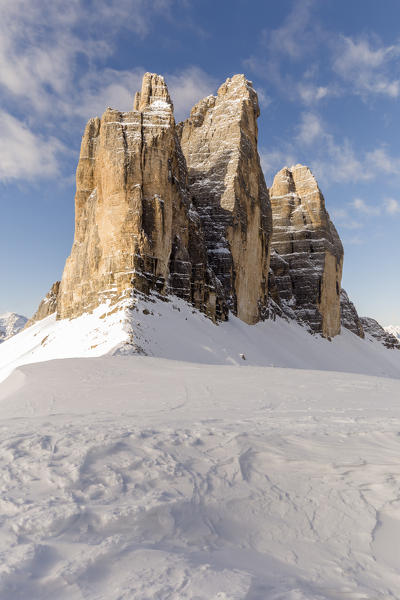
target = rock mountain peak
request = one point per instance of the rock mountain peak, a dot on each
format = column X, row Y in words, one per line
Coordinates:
column 184, row 210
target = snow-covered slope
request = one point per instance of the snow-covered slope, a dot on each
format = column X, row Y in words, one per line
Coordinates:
column 174, row 330
column 10, row 324
column 133, row 477
column 203, row 470
column 394, row 330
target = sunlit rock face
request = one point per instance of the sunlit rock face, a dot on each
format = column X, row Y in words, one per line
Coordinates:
column 135, row 228
column 307, row 254
column 227, row 185
column 349, row 316
column 184, row 210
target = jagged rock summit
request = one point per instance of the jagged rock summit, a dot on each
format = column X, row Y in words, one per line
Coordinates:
column 184, row 210
column 219, row 141
column 141, row 224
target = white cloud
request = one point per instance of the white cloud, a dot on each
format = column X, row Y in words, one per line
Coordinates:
column 361, row 206
column 368, row 66
column 311, row 93
column 379, row 160
column 310, row 129
column 23, row 154
column 51, row 69
column 338, row 162
column 294, row 37
column 392, row 206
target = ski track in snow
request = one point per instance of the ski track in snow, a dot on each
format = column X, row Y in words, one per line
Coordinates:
column 138, row 477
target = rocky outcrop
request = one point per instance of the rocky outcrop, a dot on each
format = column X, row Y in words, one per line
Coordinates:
column 47, row 306
column 348, row 315
column 307, row 254
column 227, row 186
column 375, row 331
column 10, row 324
column 135, row 227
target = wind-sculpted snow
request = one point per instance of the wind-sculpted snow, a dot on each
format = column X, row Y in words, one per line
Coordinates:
column 135, row 477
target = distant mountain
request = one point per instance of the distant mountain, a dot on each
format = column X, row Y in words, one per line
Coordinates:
column 394, row 330
column 10, row 324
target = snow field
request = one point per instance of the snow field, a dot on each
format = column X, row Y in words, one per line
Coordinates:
column 197, row 461
column 136, row 477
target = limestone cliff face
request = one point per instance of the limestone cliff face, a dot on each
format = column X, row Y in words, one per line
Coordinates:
column 185, row 210
column 227, row 186
column 349, row 316
column 307, row 254
column 134, row 227
column 47, row 306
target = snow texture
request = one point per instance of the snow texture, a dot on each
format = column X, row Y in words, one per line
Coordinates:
column 200, row 472
column 137, row 477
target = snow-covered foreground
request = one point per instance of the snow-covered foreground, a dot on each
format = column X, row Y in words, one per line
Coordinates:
column 133, row 477
column 175, row 330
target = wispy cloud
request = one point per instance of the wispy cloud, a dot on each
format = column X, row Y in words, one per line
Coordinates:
column 295, row 40
column 392, row 206
column 386, row 206
column 311, row 93
column 332, row 160
column 296, row 50
column 295, row 37
column 367, row 65
column 310, row 129
column 367, row 209
column 53, row 70
column 24, row 154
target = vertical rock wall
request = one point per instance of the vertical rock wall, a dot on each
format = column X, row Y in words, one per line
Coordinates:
column 133, row 223
column 227, row 185
column 307, row 253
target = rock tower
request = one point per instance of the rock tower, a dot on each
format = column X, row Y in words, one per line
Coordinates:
column 226, row 181
column 307, row 254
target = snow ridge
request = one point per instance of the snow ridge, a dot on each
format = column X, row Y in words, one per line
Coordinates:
column 175, row 330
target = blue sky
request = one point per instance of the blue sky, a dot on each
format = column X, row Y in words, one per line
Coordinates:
column 328, row 77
